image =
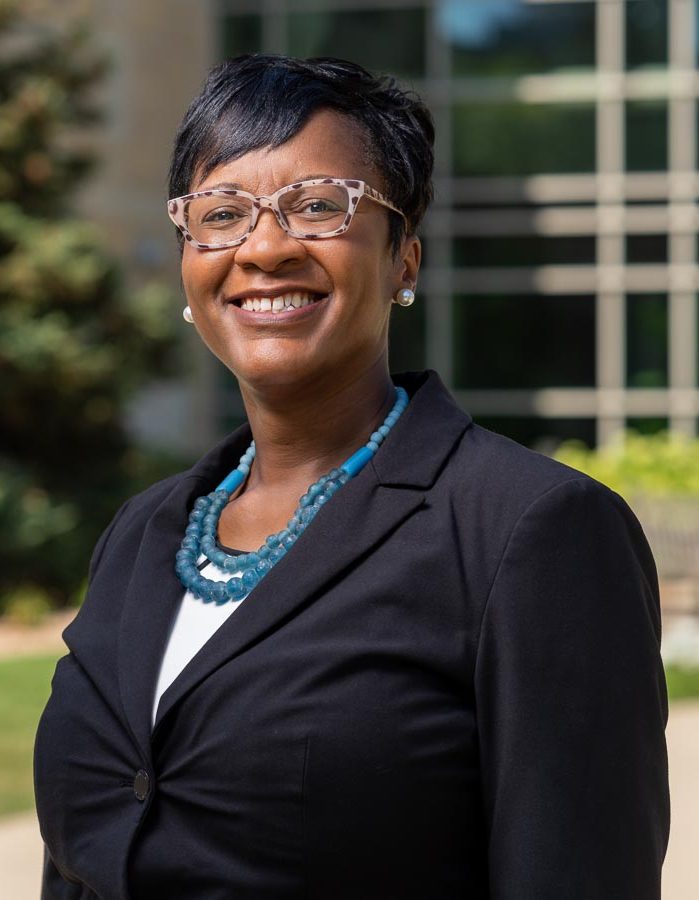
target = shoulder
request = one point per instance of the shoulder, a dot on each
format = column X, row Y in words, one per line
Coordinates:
column 478, row 472
column 540, row 509
column 133, row 514
column 519, row 484
column 202, row 477
column 147, row 501
column 483, row 467
column 497, row 464
column 495, row 489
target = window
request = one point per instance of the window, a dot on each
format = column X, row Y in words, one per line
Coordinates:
column 515, row 38
column 388, row 40
column 646, row 136
column 646, row 33
column 524, row 342
column 646, row 340
column 530, row 250
column 241, row 34
column 648, row 425
column 518, row 139
column 646, row 248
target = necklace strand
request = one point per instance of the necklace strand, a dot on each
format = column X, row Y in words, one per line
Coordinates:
column 200, row 534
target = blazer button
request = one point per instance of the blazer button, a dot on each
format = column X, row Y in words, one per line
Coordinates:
column 141, row 785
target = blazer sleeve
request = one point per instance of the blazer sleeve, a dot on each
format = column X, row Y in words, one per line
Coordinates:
column 572, row 705
column 53, row 885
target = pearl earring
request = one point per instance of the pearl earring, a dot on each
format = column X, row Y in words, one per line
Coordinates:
column 405, row 297
column 187, row 315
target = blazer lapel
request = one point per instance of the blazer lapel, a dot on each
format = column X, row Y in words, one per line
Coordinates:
column 360, row 516
column 149, row 607
column 365, row 512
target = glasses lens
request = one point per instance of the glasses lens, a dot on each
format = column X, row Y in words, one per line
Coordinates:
column 318, row 209
column 219, row 218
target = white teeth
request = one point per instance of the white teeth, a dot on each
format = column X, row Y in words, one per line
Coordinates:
column 278, row 304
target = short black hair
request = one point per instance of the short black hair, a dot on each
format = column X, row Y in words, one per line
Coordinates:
column 258, row 100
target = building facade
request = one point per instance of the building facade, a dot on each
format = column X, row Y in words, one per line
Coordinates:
column 558, row 296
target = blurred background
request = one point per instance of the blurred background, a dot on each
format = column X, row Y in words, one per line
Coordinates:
column 558, row 295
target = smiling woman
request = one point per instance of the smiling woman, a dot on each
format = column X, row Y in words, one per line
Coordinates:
column 364, row 648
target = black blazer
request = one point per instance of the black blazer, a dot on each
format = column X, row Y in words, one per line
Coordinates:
column 450, row 688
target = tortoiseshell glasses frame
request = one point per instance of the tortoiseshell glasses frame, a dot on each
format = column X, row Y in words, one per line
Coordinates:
column 178, row 209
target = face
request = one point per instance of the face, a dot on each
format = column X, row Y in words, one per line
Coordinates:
column 350, row 279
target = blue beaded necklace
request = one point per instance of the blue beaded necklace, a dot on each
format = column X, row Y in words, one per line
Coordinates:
column 200, row 534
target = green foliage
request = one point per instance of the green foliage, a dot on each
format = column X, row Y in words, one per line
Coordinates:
column 662, row 464
column 27, row 606
column 24, row 689
column 75, row 338
column 682, row 682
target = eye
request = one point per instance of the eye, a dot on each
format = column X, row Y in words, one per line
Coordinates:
column 314, row 208
column 224, row 214
column 320, row 206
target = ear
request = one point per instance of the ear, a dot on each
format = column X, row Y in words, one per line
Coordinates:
column 408, row 263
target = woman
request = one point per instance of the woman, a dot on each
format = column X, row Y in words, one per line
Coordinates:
column 442, row 678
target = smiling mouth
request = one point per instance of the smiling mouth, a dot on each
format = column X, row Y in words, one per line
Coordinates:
column 283, row 303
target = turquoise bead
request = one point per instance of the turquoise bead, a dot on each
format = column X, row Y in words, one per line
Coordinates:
column 219, row 558
column 235, row 589
column 219, row 594
column 200, row 533
column 306, row 516
column 250, row 579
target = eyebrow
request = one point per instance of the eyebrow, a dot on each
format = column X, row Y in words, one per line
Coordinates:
column 236, row 186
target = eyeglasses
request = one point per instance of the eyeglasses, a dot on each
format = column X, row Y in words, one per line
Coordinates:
column 319, row 208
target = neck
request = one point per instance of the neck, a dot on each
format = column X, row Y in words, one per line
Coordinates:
column 301, row 434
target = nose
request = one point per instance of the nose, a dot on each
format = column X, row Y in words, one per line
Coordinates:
column 269, row 246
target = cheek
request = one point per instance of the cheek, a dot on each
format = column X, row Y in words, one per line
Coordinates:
column 361, row 267
column 202, row 275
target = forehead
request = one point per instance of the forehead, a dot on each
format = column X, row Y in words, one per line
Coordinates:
column 329, row 144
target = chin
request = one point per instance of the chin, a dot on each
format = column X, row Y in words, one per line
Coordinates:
column 277, row 374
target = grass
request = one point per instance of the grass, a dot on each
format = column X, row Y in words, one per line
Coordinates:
column 25, row 684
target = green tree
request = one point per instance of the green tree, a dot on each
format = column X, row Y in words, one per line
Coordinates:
column 75, row 341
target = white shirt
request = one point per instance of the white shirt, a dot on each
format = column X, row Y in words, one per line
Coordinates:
column 196, row 622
